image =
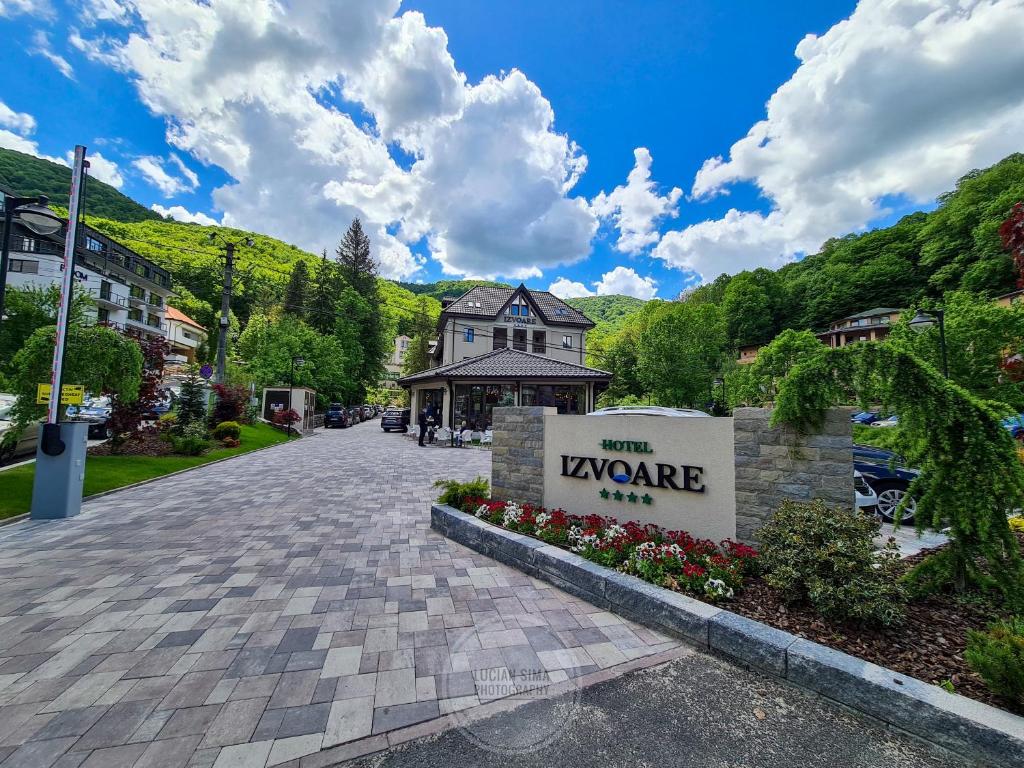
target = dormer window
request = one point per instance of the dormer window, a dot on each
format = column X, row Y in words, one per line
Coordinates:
column 519, row 307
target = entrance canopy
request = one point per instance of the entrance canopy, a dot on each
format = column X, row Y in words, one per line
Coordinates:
column 466, row 392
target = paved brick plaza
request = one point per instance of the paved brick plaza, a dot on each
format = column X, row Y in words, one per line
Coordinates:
column 254, row 611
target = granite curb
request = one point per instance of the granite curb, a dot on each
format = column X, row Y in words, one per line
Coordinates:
column 969, row 728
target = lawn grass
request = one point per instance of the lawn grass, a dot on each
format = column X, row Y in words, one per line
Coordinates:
column 103, row 473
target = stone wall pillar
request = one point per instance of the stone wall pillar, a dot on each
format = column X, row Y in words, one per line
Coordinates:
column 776, row 463
column 517, row 455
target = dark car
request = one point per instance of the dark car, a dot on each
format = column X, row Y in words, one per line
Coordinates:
column 885, row 473
column 98, row 418
column 865, row 417
column 336, row 416
column 395, row 418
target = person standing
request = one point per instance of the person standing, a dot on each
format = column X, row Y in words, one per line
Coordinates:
column 426, row 416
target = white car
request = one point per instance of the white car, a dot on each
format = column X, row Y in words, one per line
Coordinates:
column 866, row 498
column 646, row 410
column 26, row 444
column 891, row 421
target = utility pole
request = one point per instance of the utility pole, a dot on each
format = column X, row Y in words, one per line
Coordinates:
column 225, row 308
column 225, row 303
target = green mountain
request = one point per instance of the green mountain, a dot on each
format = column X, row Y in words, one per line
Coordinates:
column 443, row 288
column 609, row 311
column 27, row 175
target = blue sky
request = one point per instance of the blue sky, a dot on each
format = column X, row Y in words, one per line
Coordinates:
column 496, row 139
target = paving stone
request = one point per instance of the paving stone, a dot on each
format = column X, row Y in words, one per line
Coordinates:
column 243, row 598
column 235, row 722
column 124, row 756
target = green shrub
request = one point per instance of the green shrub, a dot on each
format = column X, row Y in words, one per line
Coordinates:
column 826, row 556
column 167, row 423
column 455, row 492
column 998, row 656
column 227, row 429
column 191, row 440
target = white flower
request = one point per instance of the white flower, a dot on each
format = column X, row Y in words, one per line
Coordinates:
column 718, row 588
column 542, row 520
column 512, row 515
column 482, row 510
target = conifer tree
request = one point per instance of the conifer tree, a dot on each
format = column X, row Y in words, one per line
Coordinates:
column 359, row 271
column 324, row 294
column 297, row 290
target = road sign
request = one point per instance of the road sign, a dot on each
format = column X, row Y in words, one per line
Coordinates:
column 70, row 394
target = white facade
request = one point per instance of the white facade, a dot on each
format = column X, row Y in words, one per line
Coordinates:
column 393, row 365
column 184, row 336
column 130, row 292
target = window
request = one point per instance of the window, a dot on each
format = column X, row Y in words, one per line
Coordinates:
column 519, row 307
column 25, row 266
column 102, row 315
column 28, row 245
column 468, row 335
column 567, row 342
column 500, row 338
column 135, row 314
column 519, row 339
column 92, row 244
column 105, row 290
column 540, row 342
column 153, row 320
column 156, row 300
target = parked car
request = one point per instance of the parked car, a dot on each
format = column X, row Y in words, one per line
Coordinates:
column 337, row 416
column 866, row 499
column 355, row 414
column 98, row 418
column 395, row 418
column 645, row 410
column 27, row 440
column 368, row 412
column 889, row 478
column 865, row 417
column 888, row 421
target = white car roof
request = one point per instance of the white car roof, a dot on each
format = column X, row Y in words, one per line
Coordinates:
column 646, row 410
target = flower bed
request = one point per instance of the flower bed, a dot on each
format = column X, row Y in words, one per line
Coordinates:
column 671, row 559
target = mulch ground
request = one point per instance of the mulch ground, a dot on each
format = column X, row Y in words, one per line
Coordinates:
column 928, row 646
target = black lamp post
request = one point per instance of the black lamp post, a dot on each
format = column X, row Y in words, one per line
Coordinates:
column 923, row 321
column 32, row 213
column 296, row 361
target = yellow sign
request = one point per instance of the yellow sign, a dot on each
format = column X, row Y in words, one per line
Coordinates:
column 70, row 394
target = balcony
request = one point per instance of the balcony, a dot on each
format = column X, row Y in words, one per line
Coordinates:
column 149, row 325
column 137, row 300
column 108, row 298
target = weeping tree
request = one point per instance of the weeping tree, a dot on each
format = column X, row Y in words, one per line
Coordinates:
column 970, row 474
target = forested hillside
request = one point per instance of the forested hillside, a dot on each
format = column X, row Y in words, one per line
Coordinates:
column 955, row 247
column 29, row 176
column 443, row 288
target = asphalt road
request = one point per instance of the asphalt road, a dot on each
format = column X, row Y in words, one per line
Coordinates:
column 695, row 712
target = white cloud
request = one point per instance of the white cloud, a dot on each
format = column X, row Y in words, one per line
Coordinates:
column 9, row 140
column 180, row 213
column 625, row 281
column 251, row 86
column 20, row 122
column 38, row 8
column 565, row 288
column 154, row 170
column 94, row 11
column 42, row 47
column 620, row 281
column 100, row 168
column 898, row 100
column 636, row 208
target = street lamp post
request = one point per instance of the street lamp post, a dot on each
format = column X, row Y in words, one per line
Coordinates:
column 720, row 382
column 225, row 300
column 31, row 212
column 923, row 321
column 296, row 361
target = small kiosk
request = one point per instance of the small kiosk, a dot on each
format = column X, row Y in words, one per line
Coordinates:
column 302, row 401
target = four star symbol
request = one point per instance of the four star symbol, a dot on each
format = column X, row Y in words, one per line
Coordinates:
column 631, row 497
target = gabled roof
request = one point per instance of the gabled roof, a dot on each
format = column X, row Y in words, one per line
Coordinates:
column 870, row 313
column 492, row 299
column 508, row 364
column 176, row 314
